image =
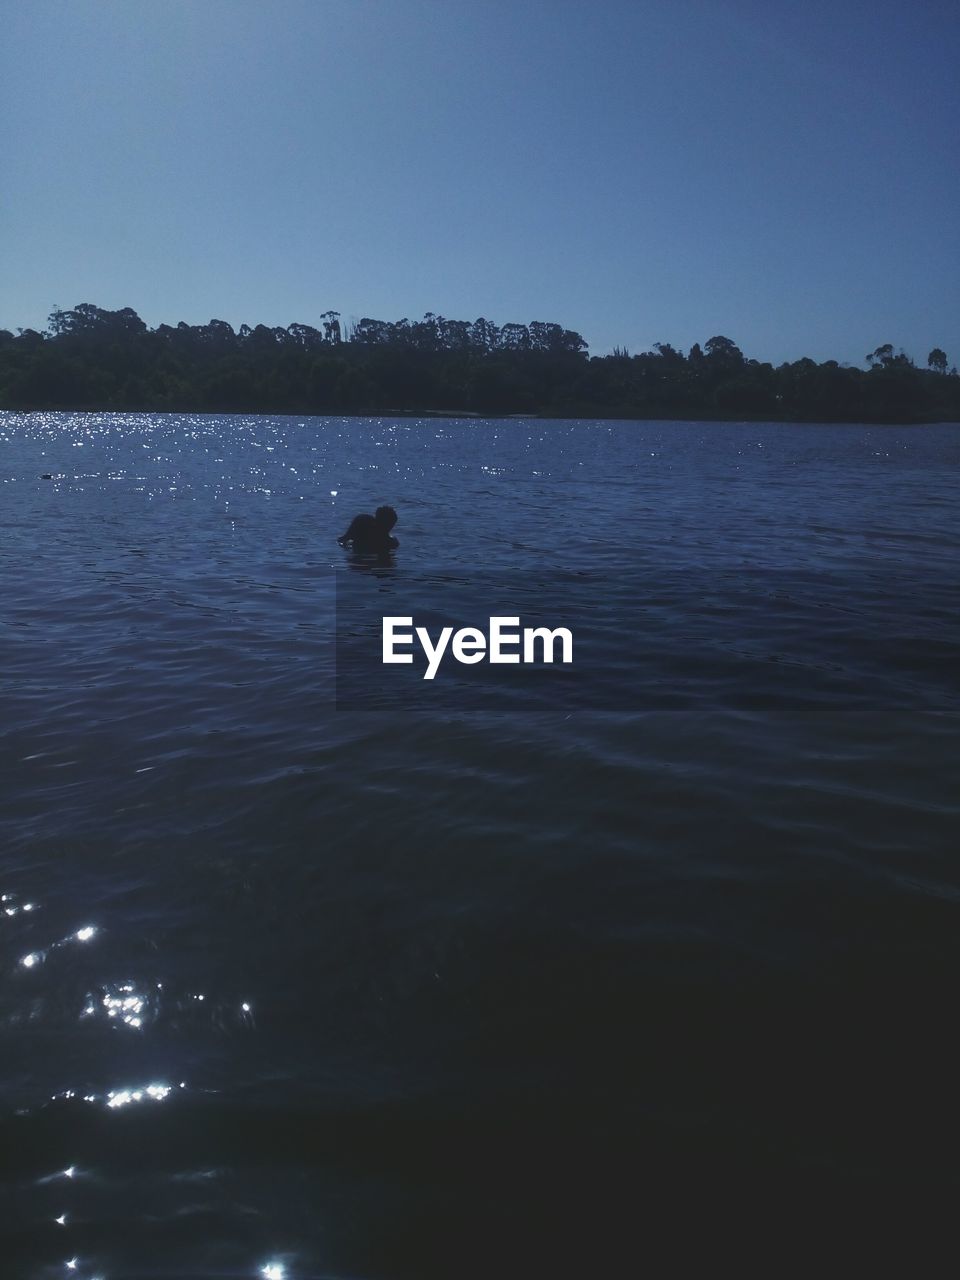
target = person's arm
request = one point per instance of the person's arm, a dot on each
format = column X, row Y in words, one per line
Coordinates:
column 351, row 532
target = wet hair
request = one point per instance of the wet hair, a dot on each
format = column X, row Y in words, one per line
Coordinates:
column 386, row 516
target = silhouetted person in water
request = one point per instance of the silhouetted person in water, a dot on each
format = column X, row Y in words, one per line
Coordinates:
column 370, row 535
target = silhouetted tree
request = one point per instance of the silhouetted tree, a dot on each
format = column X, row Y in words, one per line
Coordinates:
column 937, row 360
column 723, row 352
column 305, row 335
column 885, row 358
column 515, row 337
column 668, row 353
column 331, row 326
column 484, row 335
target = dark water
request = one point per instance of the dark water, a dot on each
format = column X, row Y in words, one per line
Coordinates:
column 448, row 990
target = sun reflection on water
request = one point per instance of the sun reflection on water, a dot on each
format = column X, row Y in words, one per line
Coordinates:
column 33, row 958
column 114, row 1099
column 123, row 1097
column 123, row 1003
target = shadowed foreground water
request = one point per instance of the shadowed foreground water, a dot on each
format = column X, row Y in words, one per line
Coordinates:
column 293, row 987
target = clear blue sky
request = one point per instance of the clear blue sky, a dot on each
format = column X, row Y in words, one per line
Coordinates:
column 784, row 173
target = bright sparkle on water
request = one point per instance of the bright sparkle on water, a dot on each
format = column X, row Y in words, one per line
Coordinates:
column 127, row 1006
column 123, row 1097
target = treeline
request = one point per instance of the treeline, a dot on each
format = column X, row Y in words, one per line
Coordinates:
column 90, row 358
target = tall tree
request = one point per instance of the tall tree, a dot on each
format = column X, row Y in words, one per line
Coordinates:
column 937, row 360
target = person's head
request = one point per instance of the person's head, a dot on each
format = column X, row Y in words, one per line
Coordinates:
column 386, row 517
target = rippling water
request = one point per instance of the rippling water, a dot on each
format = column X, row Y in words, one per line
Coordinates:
column 292, row 988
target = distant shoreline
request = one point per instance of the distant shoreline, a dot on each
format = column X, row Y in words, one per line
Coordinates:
column 469, row 416
column 632, row 417
column 90, row 359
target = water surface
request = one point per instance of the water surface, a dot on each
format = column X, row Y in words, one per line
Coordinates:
column 455, row 990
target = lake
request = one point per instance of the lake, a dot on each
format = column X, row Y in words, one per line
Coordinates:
column 482, row 977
